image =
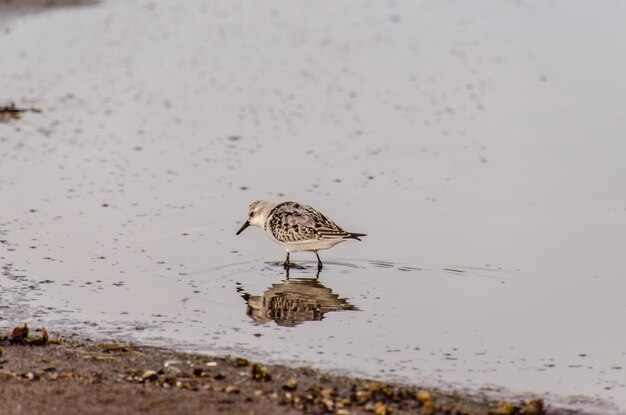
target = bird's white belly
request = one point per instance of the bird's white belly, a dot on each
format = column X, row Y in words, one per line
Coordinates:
column 313, row 245
column 307, row 245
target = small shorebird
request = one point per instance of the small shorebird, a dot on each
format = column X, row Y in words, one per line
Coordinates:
column 297, row 227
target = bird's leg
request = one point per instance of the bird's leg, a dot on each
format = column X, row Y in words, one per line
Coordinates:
column 286, row 263
column 319, row 262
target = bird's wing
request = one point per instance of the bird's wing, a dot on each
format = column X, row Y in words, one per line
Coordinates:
column 293, row 222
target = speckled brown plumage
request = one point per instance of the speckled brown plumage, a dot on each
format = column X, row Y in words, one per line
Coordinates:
column 292, row 222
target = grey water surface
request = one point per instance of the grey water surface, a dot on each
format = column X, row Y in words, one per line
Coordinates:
column 480, row 145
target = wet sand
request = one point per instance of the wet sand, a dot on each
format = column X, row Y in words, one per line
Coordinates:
column 453, row 134
column 60, row 376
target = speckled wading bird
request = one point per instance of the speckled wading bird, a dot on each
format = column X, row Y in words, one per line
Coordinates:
column 297, row 227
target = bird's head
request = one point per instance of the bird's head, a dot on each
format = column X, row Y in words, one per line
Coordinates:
column 257, row 214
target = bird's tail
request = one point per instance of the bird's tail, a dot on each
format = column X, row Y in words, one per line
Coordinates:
column 357, row 236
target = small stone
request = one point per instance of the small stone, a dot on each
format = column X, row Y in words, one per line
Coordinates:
column 535, row 407
column 291, row 385
column 169, row 363
column 363, row 396
column 342, row 403
column 374, row 386
column 20, row 333
column 184, row 384
column 505, row 408
column 231, row 389
column 382, row 409
column 149, row 376
column 428, row 408
column 44, row 336
column 327, row 393
column 259, row 373
column 198, row 372
column 329, row 404
column 423, row 396
column 241, row 362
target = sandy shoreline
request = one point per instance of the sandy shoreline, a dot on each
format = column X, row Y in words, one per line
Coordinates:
column 58, row 376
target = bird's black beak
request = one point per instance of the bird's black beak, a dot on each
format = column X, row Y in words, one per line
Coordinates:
column 244, row 226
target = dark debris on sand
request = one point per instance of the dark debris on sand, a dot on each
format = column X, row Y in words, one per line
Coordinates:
column 11, row 112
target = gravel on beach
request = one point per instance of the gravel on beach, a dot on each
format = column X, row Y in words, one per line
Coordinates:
column 42, row 375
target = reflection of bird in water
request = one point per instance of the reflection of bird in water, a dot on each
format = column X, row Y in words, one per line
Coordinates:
column 297, row 227
column 293, row 302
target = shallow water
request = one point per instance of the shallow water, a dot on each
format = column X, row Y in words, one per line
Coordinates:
column 480, row 147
